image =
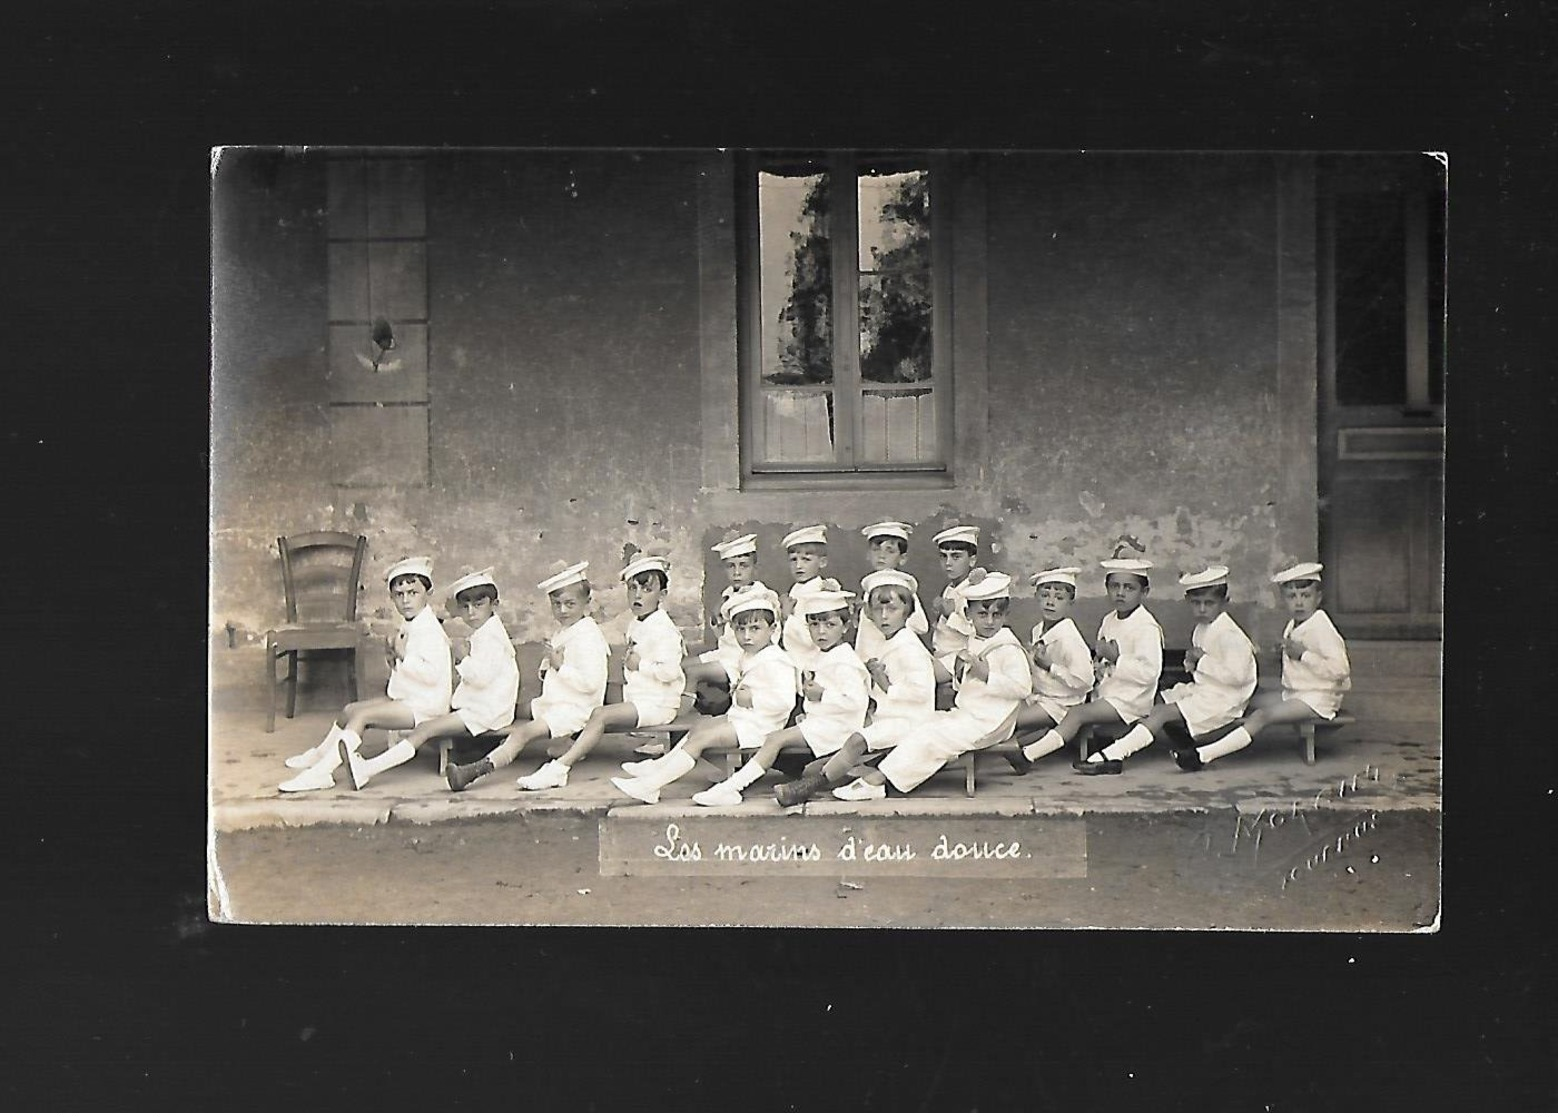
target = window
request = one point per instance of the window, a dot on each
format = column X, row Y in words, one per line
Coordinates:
column 845, row 323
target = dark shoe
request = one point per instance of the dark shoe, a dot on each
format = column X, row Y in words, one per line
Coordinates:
column 1099, row 767
column 1020, row 763
column 1188, row 759
column 799, row 791
column 461, row 776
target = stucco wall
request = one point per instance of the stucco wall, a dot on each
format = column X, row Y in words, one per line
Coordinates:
column 1132, row 376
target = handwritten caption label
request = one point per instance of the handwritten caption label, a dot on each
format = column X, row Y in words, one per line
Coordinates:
column 755, row 846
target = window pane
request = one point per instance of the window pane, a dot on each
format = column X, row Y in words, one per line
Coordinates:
column 1370, row 299
column 798, row 426
column 796, row 280
column 899, row 427
column 895, row 277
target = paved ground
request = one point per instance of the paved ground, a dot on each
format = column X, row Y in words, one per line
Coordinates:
column 1374, row 767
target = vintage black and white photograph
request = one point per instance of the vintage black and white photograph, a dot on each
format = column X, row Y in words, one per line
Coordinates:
column 827, row 538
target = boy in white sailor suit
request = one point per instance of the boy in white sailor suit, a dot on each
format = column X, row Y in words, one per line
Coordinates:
column 836, row 694
column 652, row 677
column 714, row 670
column 992, row 676
column 760, row 702
column 1221, row 661
column 489, row 679
column 1062, row 662
column 1127, row 660
column 887, row 546
column 807, row 549
column 903, row 688
column 958, row 547
column 573, row 673
column 419, row 685
column 1315, row 670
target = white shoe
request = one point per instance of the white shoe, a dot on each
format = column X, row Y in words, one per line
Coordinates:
column 637, row 789
column 311, row 779
column 858, row 791
column 720, row 795
column 309, row 757
column 550, row 774
column 355, row 775
column 637, row 768
column 653, row 747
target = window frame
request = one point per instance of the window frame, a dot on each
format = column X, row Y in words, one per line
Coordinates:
column 849, row 390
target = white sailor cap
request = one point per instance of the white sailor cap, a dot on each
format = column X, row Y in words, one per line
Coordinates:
column 895, row 528
column 646, row 560
column 824, row 601
column 963, row 533
column 732, row 548
column 1065, row 575
column 1126, row 566
column 420, row 565
column 817, row 533
column 1302, row 571
column 890, row 578
column 753, row 597
column 994, row 584
column 1213, row 575
column 566, row 576
column 470, row 581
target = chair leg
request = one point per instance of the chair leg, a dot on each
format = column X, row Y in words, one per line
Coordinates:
column 292, row 683
column 444, row 746
column 1307, row 732
column 351, row 674
column 270, row 687
column 968, row 777
column 1084, row 740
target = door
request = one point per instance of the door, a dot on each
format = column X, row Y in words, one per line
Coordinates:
column 1381, row 393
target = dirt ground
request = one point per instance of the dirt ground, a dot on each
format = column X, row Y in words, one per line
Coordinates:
column 1159, row 870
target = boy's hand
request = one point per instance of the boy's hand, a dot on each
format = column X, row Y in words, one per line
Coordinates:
column 631, row 660
column 742, row 696
column 938, row 608
column 1040, row 658
column 878, row 672
column 460, row 647
column 1293, row 649
column 1108, row 651
column 973, row 666
column 809, row 688
column 1193, row 656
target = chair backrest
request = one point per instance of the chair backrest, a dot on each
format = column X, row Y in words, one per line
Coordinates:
column 320, row 572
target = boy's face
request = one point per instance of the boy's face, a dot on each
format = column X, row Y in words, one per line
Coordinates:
column 753, row 629
column 888, row 611
column 987, row 617
column 807, row 561
column 1126, row 591
column 741, row 570
column 886, row 552
column 478, row 610
column 827, row 629
column 957, row 562
column 1205, row 604
column 1301, row 600
column 568, row 604
column 1054, row 601
column 409, row 596
column 644, row 594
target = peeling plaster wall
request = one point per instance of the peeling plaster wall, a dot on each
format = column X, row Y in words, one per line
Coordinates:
column 1132, row 384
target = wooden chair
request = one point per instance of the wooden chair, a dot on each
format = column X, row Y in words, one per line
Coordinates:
column 320, row 572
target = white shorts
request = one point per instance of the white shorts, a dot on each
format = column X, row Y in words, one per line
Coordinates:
column 886, row 734
column 562, row 720
column 1203, row 713
column 652, row 714
column 1325, row 703
column 824, row 737
column 475, row 725
column 1051, row 706
column 419, row 714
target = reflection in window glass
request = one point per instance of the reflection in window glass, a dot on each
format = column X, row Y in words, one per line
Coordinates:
column 798, row 426
column 895, row 278
column 797, row 278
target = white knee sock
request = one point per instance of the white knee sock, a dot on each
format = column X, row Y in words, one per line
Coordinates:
column 332, row 758
column 748, row 774
column 1044, row 746
column 396, row 754
column 1233, row 742
column 328, row 744
column 670, row 768
column 1137, row 739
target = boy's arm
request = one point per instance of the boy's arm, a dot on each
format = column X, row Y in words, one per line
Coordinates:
column 584, row 663
column 660, row 657
column 1010, row 675
column 1229, row 661
column 1326, row 654
column 1141, row 657
column 844, row 690
column 914, row 678
column 485, row 662
column 427, row 658
column 772, row 687
column 1071, row 661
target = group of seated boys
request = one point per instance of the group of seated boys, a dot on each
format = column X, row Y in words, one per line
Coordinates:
column 859, row 688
